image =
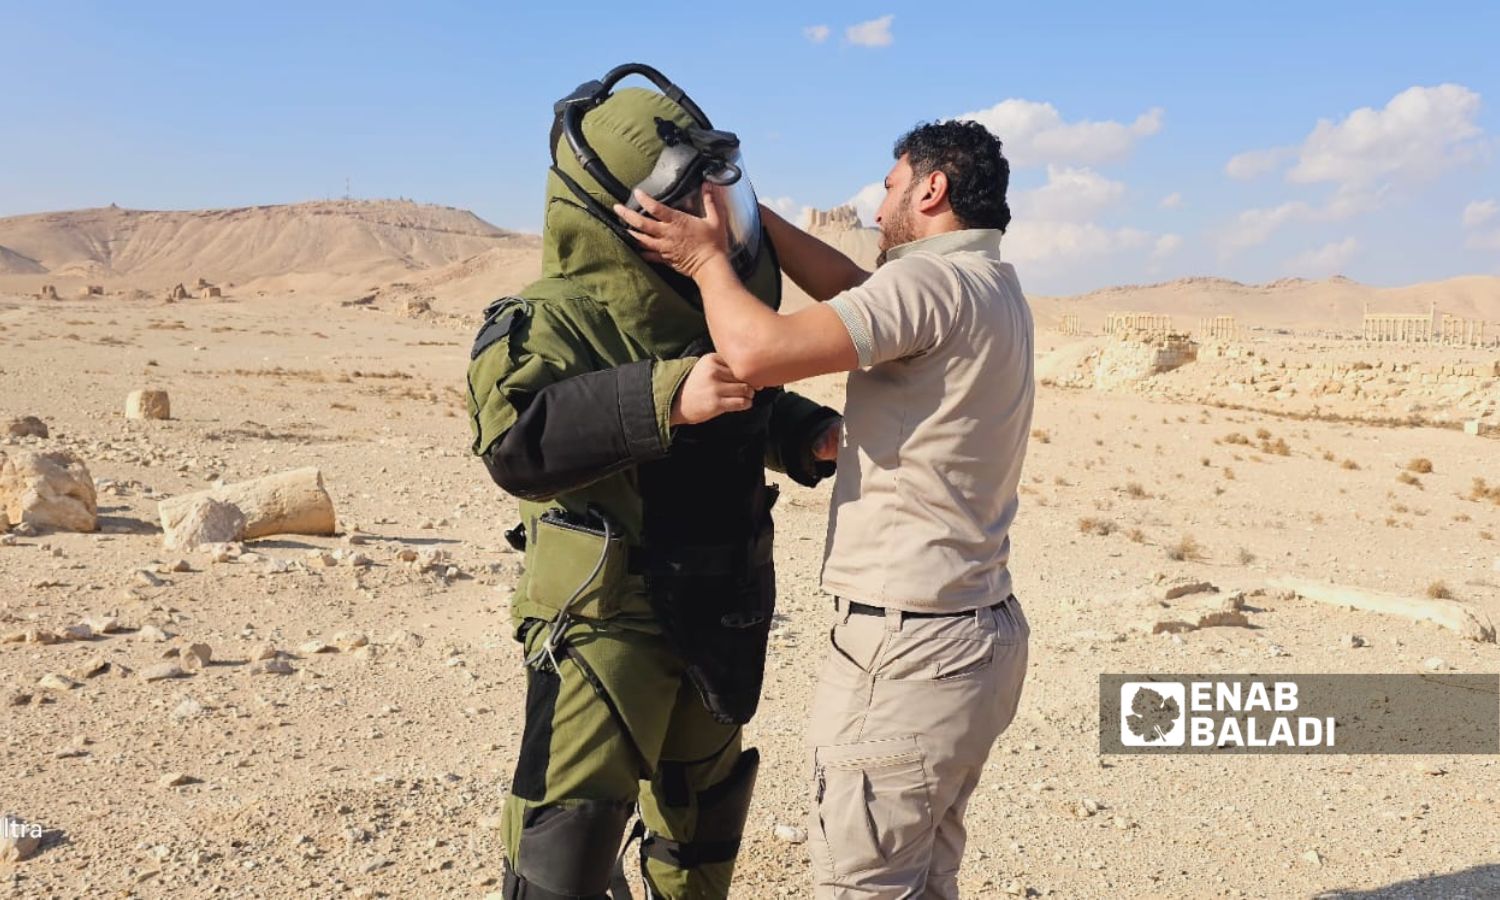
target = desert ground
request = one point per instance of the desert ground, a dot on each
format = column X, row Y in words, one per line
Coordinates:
column 373, row 759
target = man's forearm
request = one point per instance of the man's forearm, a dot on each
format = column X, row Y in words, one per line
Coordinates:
column 819, row 269
column 742, row 326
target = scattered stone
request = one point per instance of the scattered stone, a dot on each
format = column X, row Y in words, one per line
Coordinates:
column 360, row 560
column 26, row 426
column 96, row 665
column 264, row 651
column 47, row 491
column 322, row 558
column 148, row 404
column 1434, row 664
column 17, row 698
column 153, row 634
column 32, row 635
column 312, row 647
column 1351, row 641
column 291, row 502
column 1276, row 650
column 196, row 656
column 204, row 520
column 1194, row 587
column 162, row 672
column 222, row 552
column 56, row 682
column 374, row 865
column 350, row 640
column 405, row 639
column 407, row 555
column 176, row 779
column 1312, row 858
column 271, row 667
column 791, row 834
column 187, row 709
column 79, row 632
column 180, row 565
column 19, row 839
column 104, row 624
column 1428, row 768
column 146, row 578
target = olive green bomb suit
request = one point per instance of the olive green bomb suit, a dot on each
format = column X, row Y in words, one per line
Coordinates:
column 648, row 587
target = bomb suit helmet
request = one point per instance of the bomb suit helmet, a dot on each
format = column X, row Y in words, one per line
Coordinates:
column 662, row 144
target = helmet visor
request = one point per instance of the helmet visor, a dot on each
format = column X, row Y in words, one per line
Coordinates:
column 740, row 211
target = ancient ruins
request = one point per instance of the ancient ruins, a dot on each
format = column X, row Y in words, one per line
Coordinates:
column 1138, row 322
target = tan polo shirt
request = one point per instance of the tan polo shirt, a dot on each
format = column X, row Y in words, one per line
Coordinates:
column 935, row 428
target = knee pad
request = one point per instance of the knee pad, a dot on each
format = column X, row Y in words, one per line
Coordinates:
column 567, row 851
column 722, row 811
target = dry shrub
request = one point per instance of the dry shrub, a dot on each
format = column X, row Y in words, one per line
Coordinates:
column 1134, row 491
column 1041, row 436
column 1409, row 478
column 1480, row 490
column 1439, row 591
column 1277, row 447
column 1100, row 527
column 1263, row 434
column 1206, row 461
column 1349, row 464
column 1245, row 557
column 1486, row 536
column 1421, row 465
column 1328, row 456
column 1136, row 535
column 1187, row 548
column 1234, row 437
column 1228, row 474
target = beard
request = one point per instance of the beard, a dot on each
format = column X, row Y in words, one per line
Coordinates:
column 897, row 229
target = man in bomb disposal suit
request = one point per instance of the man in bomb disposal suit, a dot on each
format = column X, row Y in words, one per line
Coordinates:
column 639, row 461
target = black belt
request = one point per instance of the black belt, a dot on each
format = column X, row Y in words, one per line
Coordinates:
column 864, row 609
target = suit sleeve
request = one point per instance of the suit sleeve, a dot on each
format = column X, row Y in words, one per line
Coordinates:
column 544, row 424
column 795, row 423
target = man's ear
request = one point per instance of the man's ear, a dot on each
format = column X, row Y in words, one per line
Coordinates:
column 934, row 191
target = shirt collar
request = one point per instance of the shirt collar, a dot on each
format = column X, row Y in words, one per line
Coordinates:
column 982, row 240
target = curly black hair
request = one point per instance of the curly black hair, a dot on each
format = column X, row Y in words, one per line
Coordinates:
column 978, row 173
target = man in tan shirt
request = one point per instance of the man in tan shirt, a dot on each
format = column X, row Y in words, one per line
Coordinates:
column 929, row 647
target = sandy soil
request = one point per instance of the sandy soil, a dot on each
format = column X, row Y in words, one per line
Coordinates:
column 380, row 771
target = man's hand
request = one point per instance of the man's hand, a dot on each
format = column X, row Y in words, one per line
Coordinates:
column 710, row 390
column 683, row 241
column 826, row 445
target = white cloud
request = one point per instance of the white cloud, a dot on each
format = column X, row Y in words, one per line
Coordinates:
column 1480, row 212
column 1166, row 245
column 1036, row 134
column 1171, row 201
column 874, row 33
column 1047, row 246
column 867, row 201
column 816, row 33
column 784, row 206
column 1255, row 163
column 1420, row 133
column 1255, row 226
column 1326, row 260
column 1070, row 195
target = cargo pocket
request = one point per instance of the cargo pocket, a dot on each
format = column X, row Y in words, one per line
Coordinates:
column 570, row 564
column 872, row 803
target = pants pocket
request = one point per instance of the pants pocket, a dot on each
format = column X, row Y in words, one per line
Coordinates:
column 872, row 803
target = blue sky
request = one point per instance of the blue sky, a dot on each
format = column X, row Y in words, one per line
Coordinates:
column 1109, row 111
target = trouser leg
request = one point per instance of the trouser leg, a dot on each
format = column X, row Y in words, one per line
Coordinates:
column 584, row 749
column 904, row 715
column 695, row 808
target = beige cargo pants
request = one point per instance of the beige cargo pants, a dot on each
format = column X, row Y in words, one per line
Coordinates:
column 904, row 716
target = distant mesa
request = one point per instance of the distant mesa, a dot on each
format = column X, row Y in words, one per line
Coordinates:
column 329, row 240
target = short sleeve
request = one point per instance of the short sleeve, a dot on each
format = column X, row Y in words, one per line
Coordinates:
column 907, row 307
